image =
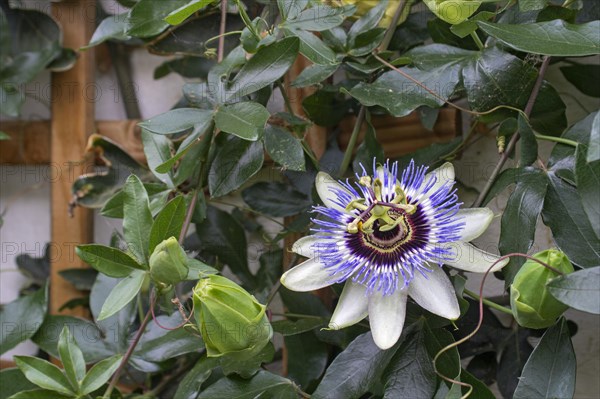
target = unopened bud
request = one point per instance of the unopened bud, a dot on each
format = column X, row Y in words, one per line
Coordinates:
column 231, row 321
column 168, row 262
column 532, row 304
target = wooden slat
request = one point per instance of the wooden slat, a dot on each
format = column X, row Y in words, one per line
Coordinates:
column 399, row 136
column 29, row 142
column 72, row 122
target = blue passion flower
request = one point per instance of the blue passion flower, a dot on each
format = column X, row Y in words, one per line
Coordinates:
column 386, row 237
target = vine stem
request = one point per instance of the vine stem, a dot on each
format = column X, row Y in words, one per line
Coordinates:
column 125, row 360
column 389, row 34
column 513, row 141
column 556, row 140
column 360, row 118
column 221, row 48
column 489, row 303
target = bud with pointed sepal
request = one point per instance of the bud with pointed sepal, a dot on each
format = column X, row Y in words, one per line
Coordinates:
column 168, row 263
column 532, row 304
column 232, row 321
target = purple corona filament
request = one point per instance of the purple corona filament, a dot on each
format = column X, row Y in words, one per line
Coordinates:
column 386, row 258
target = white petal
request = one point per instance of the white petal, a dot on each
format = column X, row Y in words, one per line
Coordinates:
column 304, row 246
column 472, row 259
column 352, row 306
column 476, row 222
column 386, row 317
column 443, row 174
column 326, row 188
column 307, row 276
column 435, row 293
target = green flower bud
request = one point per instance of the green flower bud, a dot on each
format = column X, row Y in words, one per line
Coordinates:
column 453, row 11
column 231, row 321
column 168, row 262
column 532, row 304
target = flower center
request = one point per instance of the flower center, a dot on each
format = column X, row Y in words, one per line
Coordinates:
column 388, row 239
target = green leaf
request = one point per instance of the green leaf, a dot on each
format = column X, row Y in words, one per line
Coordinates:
column 326, row 107
column 284, row 148
column 555, row 38
column 265, row 67
column 84, row 333
column 580, row 76
column 192, row 37
column 563, row 156
column 497, row 78
column 44, row 374
column 116, row 328
column 221, row 235
column 122, row 294
column 246, row 120
column 147, row 17
column 236, row 161
column 289, row 327
column 39, row 394
column 480, row 390
column 15, row 327
column 313, row 48
column 366, row 43
column 192, row 382
column 71, row 357
column 137, row 219
column 198, row 268
column 158, row 150
column 276, row 199
column 579, row 290
column 520, row 218
column 571, row 228
column 448, row 364
column 594, row 147
column 532, row 5
column 354, row 370
column 263, row 384
column 587, row 176
column 307, row 358
column 529, row 147
column 100, row 374
column 550, row 370
column 246, row 368
column 179, row 15
column 176, row 120
column 81, row 278
column 314, row 74
column 549, row 111
column 410, row 372
column 435, row 63
column 110, row 261
column 367, row 22
column 159, row 345
column 168, row 222
column 319, row 18
column 111, row 27
column 12, row 382
column 291, row 8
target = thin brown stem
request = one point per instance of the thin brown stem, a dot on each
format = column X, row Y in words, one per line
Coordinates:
column 222, row 27
column 515, row 138
column 389, row 34
column 125, row 360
